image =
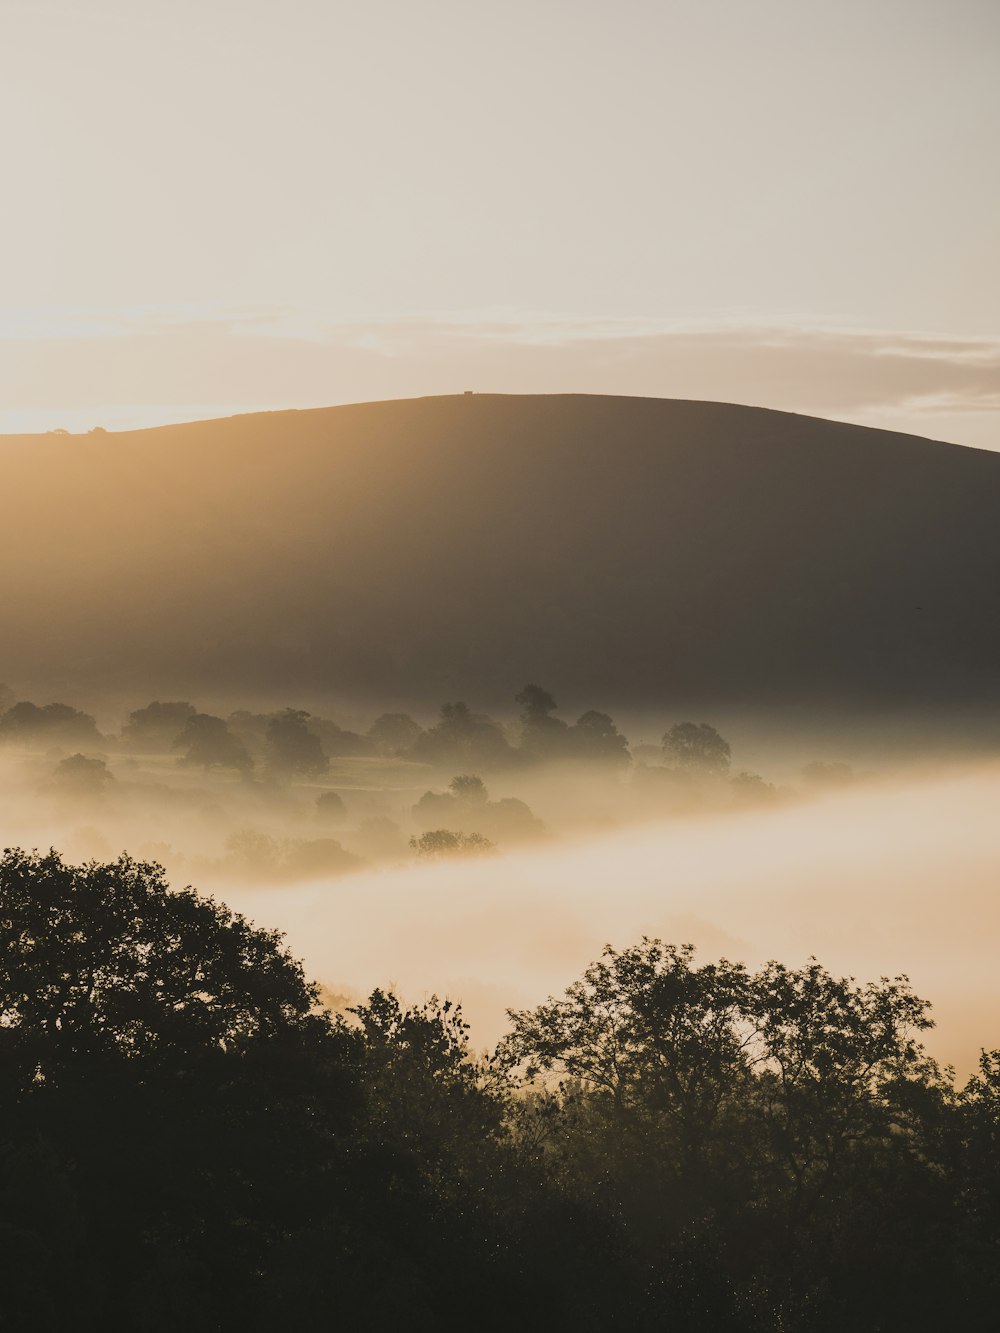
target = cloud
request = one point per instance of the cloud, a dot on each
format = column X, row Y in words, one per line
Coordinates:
column 282, row 357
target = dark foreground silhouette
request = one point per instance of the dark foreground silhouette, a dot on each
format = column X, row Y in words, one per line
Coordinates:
column 638, row 551
column 189, row 1141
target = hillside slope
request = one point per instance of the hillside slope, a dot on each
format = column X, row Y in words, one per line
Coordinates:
column 621, row 550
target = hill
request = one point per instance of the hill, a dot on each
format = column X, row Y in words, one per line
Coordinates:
column 618, row 550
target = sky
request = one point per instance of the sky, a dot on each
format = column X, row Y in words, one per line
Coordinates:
column 241, row 205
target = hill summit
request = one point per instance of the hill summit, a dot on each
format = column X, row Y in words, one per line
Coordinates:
column 623, row 550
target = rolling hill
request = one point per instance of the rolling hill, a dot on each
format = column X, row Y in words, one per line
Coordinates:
column 617, row 550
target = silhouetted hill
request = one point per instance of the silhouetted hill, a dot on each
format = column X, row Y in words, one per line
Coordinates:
column 617, row 549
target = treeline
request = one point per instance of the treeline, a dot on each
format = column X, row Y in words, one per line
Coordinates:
column 189, row 1141
column 292, row 743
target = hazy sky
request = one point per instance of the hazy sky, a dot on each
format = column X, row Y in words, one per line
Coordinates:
column 245, row 203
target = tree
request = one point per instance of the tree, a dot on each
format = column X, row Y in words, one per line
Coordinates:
column 52, row 724
column 542, row 735
column 469, row 789
column 330, row 807
column 462, row 737
column 443, row 842
column 697, row 749
column 394, row 733
column 106, row 963
column 537, row 704
column 161, row 1069
column 292, row 750
column 157, row 726
column 597, row 737
column 81, row 776
column 207, row 742
column 657, row 1039
column 466, row 808
column 752, row 789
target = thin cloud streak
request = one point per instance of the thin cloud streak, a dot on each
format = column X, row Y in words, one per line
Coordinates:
column 133, row 363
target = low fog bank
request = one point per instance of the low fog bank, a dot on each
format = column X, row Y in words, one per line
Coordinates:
column 490, row 858
column 874, row 881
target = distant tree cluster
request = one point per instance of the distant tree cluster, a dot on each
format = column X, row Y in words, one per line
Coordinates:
column 49, row 724
column 292, row 745
column 467, row 808
column 447, row 842
column 190, row 1141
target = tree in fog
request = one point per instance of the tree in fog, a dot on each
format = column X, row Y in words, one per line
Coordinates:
column 330, row 807
column 469, row 788
column 463, row 738
column 81, row 776
column 7, row 697
column 51, row 724
column 337, row 741
column 466, row 807
column 697, row 749
column 595, row 736
column 752, row 789
column 156, row 727
column 819, row 776
column 542, row 734
column 394, row 733
column 292, row 749
column 207, row 742
column 447, row 842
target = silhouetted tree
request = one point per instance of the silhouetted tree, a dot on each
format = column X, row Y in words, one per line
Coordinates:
column 258, row 856
column 595, row 736
column 337, row 741
column 542, row 734
column 464, row 738
column 447, row 842
column 81, row 776
column 52, row 724
column 394, row 733
column 752, row 789
column 330, row 806
column 157, row 726
column 207, row 742
column 469, row 788
column 698, row 749
column 134, row 971
column 466, row 808
column 292, row 749
column 189, row 1142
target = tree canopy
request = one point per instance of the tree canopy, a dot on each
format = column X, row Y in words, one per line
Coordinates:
column 188, row 1140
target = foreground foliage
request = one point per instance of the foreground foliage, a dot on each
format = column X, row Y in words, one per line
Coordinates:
column 188, row 1141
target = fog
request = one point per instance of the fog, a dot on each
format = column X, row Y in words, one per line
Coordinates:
column 873, row 871
column 896, row 878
